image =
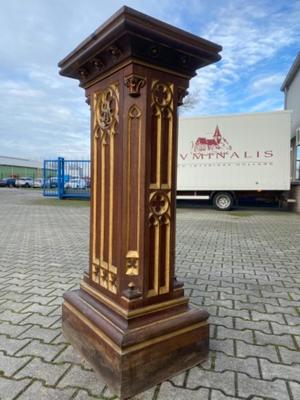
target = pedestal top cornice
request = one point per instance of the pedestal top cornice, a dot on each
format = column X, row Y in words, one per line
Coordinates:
column 132, row 36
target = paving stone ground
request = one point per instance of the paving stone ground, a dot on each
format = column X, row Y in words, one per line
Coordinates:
column 243, row 267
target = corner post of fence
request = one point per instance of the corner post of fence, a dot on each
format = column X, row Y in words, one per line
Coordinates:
column 60, row 177
column 44, row 177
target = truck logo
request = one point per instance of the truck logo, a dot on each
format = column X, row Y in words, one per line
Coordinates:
column 214, row 142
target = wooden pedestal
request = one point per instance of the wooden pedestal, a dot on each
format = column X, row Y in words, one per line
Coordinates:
column 133, row 355
column 130, row 318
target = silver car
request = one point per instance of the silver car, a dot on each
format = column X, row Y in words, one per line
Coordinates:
column 24, row 182
column 75, row 183
column 38, row 183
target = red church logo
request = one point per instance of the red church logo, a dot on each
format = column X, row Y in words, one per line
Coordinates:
column 216, row 142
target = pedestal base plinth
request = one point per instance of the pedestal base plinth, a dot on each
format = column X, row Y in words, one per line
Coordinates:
column 134, row 354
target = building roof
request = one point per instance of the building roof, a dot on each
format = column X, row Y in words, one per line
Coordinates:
column 292, row 72
column 20, row 162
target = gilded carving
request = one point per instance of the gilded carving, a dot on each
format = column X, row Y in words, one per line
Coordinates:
column 160, row 186
column 112, row 282
column 134, row 83
column 132, row 263
column 134, row 113
column 162, row 94
column 96, row 273
column 104, row 278
column 159, row 203
column 162, row 119
column 107, row 112
column 133, row 178
column 105, row 127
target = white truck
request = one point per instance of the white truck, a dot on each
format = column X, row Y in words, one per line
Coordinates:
column 224, row 158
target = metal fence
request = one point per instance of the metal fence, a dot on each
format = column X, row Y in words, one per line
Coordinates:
column 67, row 178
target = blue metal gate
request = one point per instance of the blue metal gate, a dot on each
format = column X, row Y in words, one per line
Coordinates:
column 50, row 174
column 67, row 178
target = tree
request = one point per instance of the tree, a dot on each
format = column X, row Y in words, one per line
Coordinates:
column 189, row 102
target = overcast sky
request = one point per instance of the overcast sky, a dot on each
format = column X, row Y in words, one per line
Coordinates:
column 44, row 115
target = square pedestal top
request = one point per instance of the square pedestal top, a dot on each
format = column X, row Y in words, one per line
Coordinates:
column 130, row 36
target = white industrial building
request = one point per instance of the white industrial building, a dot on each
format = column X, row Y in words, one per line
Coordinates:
column 291, row 89
column 19, row 167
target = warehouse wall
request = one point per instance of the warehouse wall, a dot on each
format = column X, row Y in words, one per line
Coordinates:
column 10, row 171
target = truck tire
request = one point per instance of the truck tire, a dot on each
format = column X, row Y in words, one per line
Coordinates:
column 223, row 201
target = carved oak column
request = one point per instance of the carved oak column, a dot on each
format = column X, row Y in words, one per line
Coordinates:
column 130, row 318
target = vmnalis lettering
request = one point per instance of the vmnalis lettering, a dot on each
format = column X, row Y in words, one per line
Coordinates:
column 226, row 155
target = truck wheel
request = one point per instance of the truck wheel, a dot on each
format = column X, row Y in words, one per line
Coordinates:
column 223, row 201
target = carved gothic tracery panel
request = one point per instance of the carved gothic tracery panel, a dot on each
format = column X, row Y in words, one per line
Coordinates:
column 134, row 141
column 162, row 106
column 105, row 127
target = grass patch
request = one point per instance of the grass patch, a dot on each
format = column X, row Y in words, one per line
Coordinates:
column 60, row 203
column 241, row 214
column 213, row 360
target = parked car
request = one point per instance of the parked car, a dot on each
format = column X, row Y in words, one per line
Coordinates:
column 7, row 182
column 50, row 183
column 38, row 183
column 11, row 182
column 53, row 182
column 24, row 182
column 75, row 183
column 2, row 182
column 88, row 181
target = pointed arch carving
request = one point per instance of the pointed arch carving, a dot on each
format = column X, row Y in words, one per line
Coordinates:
column 134, row 149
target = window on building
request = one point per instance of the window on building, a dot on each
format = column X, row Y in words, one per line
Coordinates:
column 298, row 163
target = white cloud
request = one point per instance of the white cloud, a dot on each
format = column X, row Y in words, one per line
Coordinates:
column 263, row 85
column 271, row 104
column 252, row 35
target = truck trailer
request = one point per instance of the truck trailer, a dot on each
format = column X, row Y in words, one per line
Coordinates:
column 224, row 158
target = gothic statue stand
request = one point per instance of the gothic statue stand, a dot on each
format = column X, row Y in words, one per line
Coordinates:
column 130, row 318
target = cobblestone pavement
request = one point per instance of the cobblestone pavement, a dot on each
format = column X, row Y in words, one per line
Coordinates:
column 243, row 267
